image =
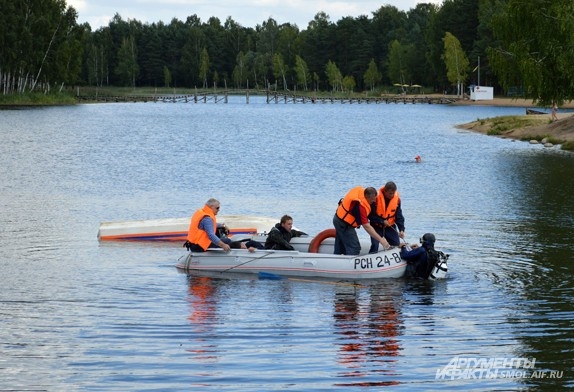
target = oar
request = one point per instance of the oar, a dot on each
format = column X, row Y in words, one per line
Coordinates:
column 270, row 276
column 248, row 261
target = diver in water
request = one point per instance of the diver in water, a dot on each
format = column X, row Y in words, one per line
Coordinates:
column 424, row 262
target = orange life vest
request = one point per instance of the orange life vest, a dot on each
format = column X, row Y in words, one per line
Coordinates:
column 356, row 194
column 387, row 212
column 194, row 234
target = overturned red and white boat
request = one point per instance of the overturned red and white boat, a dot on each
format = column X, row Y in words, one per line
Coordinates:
column 175, row 229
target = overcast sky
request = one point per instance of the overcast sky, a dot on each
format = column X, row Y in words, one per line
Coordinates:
column 247, row 13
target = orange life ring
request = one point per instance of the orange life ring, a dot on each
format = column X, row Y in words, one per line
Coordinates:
column 319, row 238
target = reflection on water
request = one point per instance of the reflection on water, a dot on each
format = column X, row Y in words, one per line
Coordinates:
column 203, row 317
column 367, row 327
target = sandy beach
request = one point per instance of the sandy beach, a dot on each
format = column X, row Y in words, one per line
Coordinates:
column 520, row 102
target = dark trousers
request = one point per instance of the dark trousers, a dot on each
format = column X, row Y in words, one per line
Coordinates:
column 389, row 233
column 346, row 238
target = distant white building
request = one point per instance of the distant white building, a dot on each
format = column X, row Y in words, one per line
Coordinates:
column 481, row 93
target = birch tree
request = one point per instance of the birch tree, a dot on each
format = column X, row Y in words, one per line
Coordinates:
column 40, row 45
column 372, row 76
column 204, row 66
column 534, row 48
column 334, row 76
column 457, row 64
column 127, row 69
column 302, row 72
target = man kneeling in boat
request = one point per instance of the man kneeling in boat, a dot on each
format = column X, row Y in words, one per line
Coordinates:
column 280, row 235
column 203, row 228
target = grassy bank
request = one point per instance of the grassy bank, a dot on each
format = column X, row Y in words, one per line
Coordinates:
column 498, row 126
column 37, row 99
column 528, row 127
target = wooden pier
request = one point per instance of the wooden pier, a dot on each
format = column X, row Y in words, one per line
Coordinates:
column 169, row 98
column 396, row 99
column 271, row 97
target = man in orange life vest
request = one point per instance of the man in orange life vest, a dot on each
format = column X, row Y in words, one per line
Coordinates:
column 385, row 215
column 202, row 229
column 351, row 214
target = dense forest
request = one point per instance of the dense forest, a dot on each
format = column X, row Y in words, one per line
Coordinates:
column 523, row 48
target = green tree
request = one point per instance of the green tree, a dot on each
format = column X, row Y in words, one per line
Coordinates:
column 240, row 71
column 535, row 48
column 236, row 39
column 418, row 21
column 317, row 44
column 484, row 75
column 372, row 76
column 194, row 42
column 457, row 64
column 267, row 36
column 279, row 69
column 355, row 43
column 215, row 38
column 118, row 31
column 255, row 65
column 127, row 69
column 316, row 81
column 334, row 76
column 302, row 72
column 150, row 52
column 397, row 63
column 288, row 44
column 204, row 67
column 166, row 77
column 349, row 83
column 40, row 45
column 388, row 24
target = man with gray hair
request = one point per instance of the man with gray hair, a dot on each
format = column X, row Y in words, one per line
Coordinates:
column 202, row 231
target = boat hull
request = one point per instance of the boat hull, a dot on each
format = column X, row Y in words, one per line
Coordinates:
column 175, row 229
column 385, row 264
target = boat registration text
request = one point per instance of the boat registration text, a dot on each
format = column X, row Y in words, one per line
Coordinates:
column 369, row 262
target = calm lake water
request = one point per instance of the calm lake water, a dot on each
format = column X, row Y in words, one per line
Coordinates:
column 79, row 315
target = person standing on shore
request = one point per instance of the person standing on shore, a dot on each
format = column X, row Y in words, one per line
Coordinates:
column 554, row 111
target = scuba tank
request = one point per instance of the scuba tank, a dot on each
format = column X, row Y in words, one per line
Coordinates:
column 440, row 267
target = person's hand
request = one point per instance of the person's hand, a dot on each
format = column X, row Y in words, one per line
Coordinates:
column 250, row 249
column 402, row 234
column 385, row 244
column 225, row 247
